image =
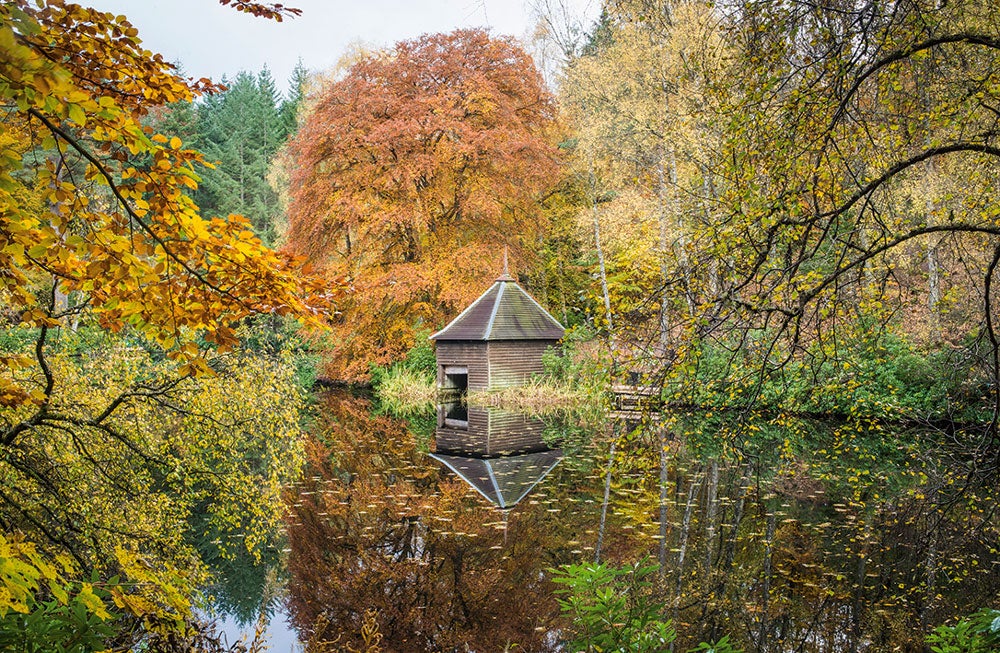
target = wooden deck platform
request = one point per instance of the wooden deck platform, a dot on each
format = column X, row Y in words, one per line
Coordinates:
column 635, row 398
column 636, row 390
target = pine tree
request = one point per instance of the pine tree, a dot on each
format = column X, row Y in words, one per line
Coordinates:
column 296, row 94
column 241, row 130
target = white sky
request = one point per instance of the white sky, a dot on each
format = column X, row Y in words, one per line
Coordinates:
column 210, row 40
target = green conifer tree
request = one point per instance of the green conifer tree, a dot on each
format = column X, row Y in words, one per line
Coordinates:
column 241, row 130
column 296, row 94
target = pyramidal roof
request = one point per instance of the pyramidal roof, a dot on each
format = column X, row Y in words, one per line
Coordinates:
column 504, row 312
column 503, row 481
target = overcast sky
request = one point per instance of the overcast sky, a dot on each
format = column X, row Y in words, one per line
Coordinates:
column 210, row 40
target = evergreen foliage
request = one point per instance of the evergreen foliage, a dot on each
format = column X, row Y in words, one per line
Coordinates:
column 240, row 130
column 291, row 105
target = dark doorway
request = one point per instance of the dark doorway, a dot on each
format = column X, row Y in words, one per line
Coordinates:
column 456, row 415
column 456, row 378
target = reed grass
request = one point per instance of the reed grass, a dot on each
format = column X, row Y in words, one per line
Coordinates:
column 537, row 397
column 405, row 392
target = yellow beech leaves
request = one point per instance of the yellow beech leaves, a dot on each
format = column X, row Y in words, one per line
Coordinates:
column 95, row 207
column 129, row 437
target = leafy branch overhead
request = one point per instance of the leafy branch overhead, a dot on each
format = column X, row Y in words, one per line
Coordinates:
column 101, row 206
column 273, row 10
column 123, row 305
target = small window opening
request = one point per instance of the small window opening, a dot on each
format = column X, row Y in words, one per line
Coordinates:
column 456, row 378
column 457, row 415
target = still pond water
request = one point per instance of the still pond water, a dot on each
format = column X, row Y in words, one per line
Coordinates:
column 441, row 530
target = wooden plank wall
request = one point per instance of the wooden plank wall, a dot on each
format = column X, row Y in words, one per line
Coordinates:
column 511, row 432
column 470, row 354
column 491, row 433
column 471, row 441
column 513, row 362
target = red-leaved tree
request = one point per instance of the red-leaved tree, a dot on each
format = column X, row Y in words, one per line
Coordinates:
column 411, row 173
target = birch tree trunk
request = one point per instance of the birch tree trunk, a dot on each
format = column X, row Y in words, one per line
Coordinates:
column 708, row 192
column 729, row 553
column 600, row 250
column 858, row 603
column 607, row 497
column 664, row 264
column 933, row 267
column 682, row 544
column 765, row 595
column 664, row 495
column 711, row 512
column 682, row 239
column 930, row 577
column 60, row 300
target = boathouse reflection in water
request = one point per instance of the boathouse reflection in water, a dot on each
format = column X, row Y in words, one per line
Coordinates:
column 375, row 528
column 499, row 453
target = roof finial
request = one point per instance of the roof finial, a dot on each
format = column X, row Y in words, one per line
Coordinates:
column 506, row 269
column 506, row 514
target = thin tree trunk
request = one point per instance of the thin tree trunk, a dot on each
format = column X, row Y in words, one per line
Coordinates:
column 664, row 264
column 930, row 579
column 75, row 321
column 685, row 533
column 607, row 497
column 933, row 266
column 664, row 495
column 765, row 596
column 600, row 249
column 729, row 553
column 866, row 268
column 711, row 512
column 60, row 300
column 682, row 544
column 857, row 606
column 544, row 274
column 708, row 190
column 933, row 287
column 682, row 239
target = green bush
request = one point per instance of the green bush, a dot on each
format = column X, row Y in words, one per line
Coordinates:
column 579, row 363
column 419, row 363
column 55, row 627
column 721, row 646
column 422, row 359
column 879, row 376
column 979, row 633
column 610, row 608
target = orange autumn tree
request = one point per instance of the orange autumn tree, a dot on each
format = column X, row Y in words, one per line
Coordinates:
column 378, row 534
column 410, row 175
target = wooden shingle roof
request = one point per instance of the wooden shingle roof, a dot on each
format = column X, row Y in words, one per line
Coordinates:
column 504, row 312
column 503, row 481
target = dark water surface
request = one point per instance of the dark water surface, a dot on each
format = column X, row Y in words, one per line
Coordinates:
column 445, row 534
column 440, row 533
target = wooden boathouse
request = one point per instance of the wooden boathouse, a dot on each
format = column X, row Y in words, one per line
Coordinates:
column 500, row 454
column 497, row 342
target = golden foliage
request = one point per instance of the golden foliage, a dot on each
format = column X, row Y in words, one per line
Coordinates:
column 99, row 205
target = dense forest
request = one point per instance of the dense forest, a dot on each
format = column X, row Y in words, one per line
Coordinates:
column 779, row 220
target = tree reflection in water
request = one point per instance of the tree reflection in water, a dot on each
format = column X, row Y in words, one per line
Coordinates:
column 378, row 525
column 782, row 552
